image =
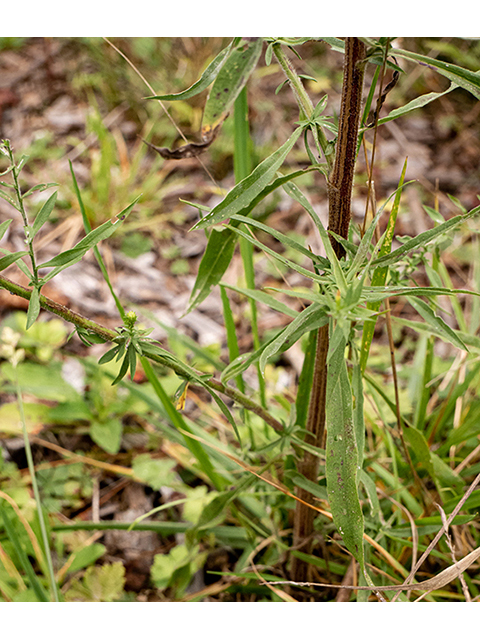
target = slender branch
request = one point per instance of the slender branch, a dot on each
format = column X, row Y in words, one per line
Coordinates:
column 109, row 335
column 303, row 99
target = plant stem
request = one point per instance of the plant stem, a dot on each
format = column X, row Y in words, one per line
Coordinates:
column 109, row 335
column 36, row 493
column 21, row 208
column 339, row 194
column 303, row 99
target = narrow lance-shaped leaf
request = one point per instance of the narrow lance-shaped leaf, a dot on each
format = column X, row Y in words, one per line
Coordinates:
column 243, row 194
column 44, row 213
column 214, row 263
column 33, row 307
column 469, row 80
column 221, row 245
column 264, row 298
column 342, row 456
column 435, row 321
column 231, row 79
column 9, row 259
column 416, row 103
column 3, row 227
column 71, row 256
column 309, row 319
column 208, row 76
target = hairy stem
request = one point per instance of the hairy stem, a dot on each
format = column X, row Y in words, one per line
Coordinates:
column 339, row 194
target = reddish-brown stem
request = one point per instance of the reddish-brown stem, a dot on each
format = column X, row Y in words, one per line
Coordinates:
column 339, row 195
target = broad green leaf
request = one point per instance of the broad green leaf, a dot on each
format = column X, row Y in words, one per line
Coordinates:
column 342, row 456
column 231, row 79
column 244, row 193
column 9, row 259
column 208, row 76
column 436, row 322
column 108, row 434
column 214, row 263
column 71, row 256
column 469, row 80
column 154, row 472
column 99, row 584
column 44, row 213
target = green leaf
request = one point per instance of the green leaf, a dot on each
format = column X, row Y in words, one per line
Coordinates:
column 86, row 556
column 231, row 79
column 380, row 274
column 469, row 80
column 305, row 380
column 423, row 239
column 124, row 366
column 33, row 307
column 9, row 199
column 44, row 213
column 109, row 355
column 420, row 449
column 342, row 456
column 371, row 491
column 71, row 256
column 243, row 194
column 108, row 434
column 289, row 263
column 154, row 472
column 264, row 298
column 214, row 263
column 219, row 251
column 9, row 259
column 416, row 103
column 3, row 227
column 208, row 76
column 309, row 319
column 99, row 584
column 437, row 323
column 281, row 237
